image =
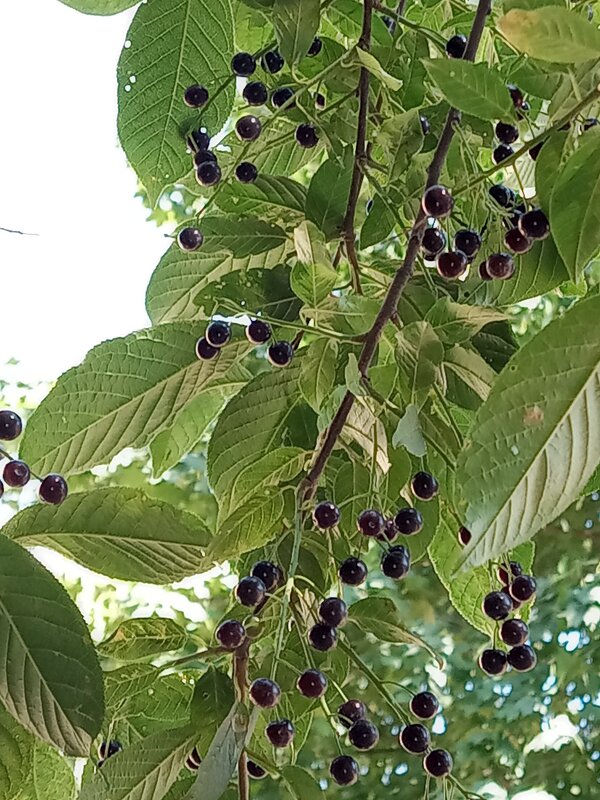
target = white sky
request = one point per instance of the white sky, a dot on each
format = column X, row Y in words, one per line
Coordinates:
column 64, row 177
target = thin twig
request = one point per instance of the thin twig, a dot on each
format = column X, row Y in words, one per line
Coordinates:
column 240, row 676
column 21, row 233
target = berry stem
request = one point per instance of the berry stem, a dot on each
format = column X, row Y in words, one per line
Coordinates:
column 294, row 325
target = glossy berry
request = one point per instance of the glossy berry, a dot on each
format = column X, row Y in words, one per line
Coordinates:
column 363, row 735
column 265, row 693
column 493, row 662
column 414, row 738
column 192, row 763
column 425, row 125
column 250, row 591
column 208, row 173
column 408, row 521
column 501, row 153
column 195, row 96
column 395, row 563
column 424, row 705
column 272, row 62
column 53, row 489
column 315, row 47
column 246, row 172
column 255, row 93
column 218, row 333
column 326, row 515
column 390, row 531
column 333, row 611
column 280, row 354
column 351, row 711
column 205, row 351
column 312, row 683
column 322, row 637
column 280, row 733
column 534, row 224
column 344, row 770
column 255, row 770
column 502, row 575
column 515, row 568
column 497, row 605
column 230, row 634
column 437, row 202
column 515, row 603
column 507, row 133
column 370, row 522
column 268, row 573
column 190, row 239
column 535, row 151
column 320, row 101
column 522, row 658
column 108, row 749
column 353, row 571
column 434, row 241
column 306, row 135
column 517, row 241
column 468, row 242
column 199, row 140
column 16, row 473
column 201, row 156
column 258, row 332
column 438, row 763
column 503, row 195
column 514, row 632
column 516, row 95
column 424, row 486
column 523, row 588
column 11, row 425
column 500, row 266
column 243, row 64
column 483, row 273
column 248, row 128
column 456, row 46
column 281, row 96
column 452, row 265
column 464, row 536
column 524, row 109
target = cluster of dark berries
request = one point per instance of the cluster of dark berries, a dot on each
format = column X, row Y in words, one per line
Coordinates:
column 218, row 334
column 507, row 134
column 266, row 693
column 16, row 474
column 108, row 749
column 362, row 734
column 415, row 737
column 517, row 588
column 333, row 613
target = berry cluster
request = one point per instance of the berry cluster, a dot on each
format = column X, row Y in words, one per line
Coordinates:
column 108, row 749
column 16, row 474
column 218, row 334
column 415, row 737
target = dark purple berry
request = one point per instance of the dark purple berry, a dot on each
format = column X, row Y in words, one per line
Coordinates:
column 320, row 101
column 589, row 123
column 322, row 637
column 230, row 634
column 370, row 522
column 353, row 571
column 504, row 196
column 265, row 693
column 315, row 47
column 390, row 531
column 424, row 486
column 507, row 133
column 199, row 140
column 255, row 770
column 246, row 172
column 396, row 563
column 515, row 568
column 514, row 632
column 53, row 489
column 11, row 425
column 464, row 534
column 493, row 662
column 351, row 711
column 281, row 96
column 312, row 683
column 483, row 273
column 280, row 733
column 333, row 611
column 190, row 239
column 108, row 749
column 522, row 658
column 502, row 575
column 306, row 135
column 201, row 156
column 363, row 735
column 258, row 332
column 424, row 705
column 497, row 605
column 517, row 241
column 434, row 241
column 195, row 96
column 280, row 354
column 437, row 202
column 456, row 46
column 500, row 266
column 501, row 153
column 1, row 488
column 523, row 110
column 468, row 242
column 534, row 224
column 344, row 770
column 248, row 128
column 516, row 95
column 255, row 93
column 243, row 64
column 272, row 62
column 208, row 173
column 205, row 351
column 326, row 515
column 218, row 333
column 452, row 265
column 269, row 574
column 408, row 521
column 438, row 763
column 414, row 738
column 16, row 473
column 250, row 591
column 535, row 150
column 193, row 761
column 523, row 588
column 425, row 125
column 515, row 603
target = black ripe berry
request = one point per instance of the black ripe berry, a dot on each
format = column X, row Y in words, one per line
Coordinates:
column 353, row 571
column 306, row 135
column 425, row 125
column 514, row 632
column 501, row 153
column 351, row 711
column 255, row 770
column 258, row 332
column 344, row 770
column 218, row 333
column 248, row 128
column 53, row 489
column 535, row 151
column 108, row 749
column 483, row 273
column 312, row 683
column 516, row 603
column 437, row 201
column 515, row 568
column 243, row 64
column 11, row 425
column 315, row 47
column 370, row 522
column 255, row 93
column 205, row 351
column 363, row 735
column 507, row 133
column 424, row 486
column 503, row 195
column 516, row 95
column 408, row 521
column 268, row 573
column 424, row 705
column 280, row 354
column 500, row 266
column 534, row 224
column 1, row 488
column 16, row 474
column 322, row 637
column 246, row 172
column 280, row 733
column 434, row 241
column 333, row 611
column 320, row 101
column 414, row 738
column 390, row 531
column 250, row 591
column 438, row 763
column 194, row 760
column 522, row 658
column 281, row 96
column 190, row 239
column 468, row 242
column 203, row 155
column 195, row 96
column 497, row 605
column 208, row 173
column 493, row 662
column 265, row 693
column 396, row 563
column 523, row 588
column 464, row 534
column 272, row 62
column 199, row 140
column 590, row 122
column 326, row 515
column 516, row 241
column 456, row 46
column 230, row 634
column 502, row 575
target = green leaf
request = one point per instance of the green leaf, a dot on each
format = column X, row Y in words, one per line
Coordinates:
column 548, row 166
column 42, row 638
column 296, row 23
column 313, row 277
column 473, row 88
column 139, row 383
column 118, row 532
column 15, row 756
column 50, row 777
column 172, row 44
column 408, row 433
column 248, row 528
column 353, row 377
column 299, row 784
column 574, row 206
column 244, row 236
column 138, row 639
column 213, row 697
column 536, row 446
column 278, row 153
column 455, row 323
column 317, row 372
column 166, row 706
column 269, row 197
column 370, row 63
column 419, row 355
column 378, row 224
column 328, row 194
column 364, row 427
column 552, row 33
column 100, row 7
column 414, row 47
column 121, row 686
column 402, row 138
column 469, row 368
column 351, row 493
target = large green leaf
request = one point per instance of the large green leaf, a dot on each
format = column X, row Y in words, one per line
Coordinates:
column 317, row 372
column 419, row 356
column 119, row 532
column 277, row 198
column 552, row 33
column 278, row 152
column 248, row 527
column 172, row 44
column 455, row 323
column 50, row 776
column 244, row 236
column 380, row 616
column 43, row 640
column 138, row 639
column 328, row 194
column 295, row 23
column 473, row 88
column 535, row 442
column 135, row 385
column 15, row 756
column 299, row 784
column 100, row 7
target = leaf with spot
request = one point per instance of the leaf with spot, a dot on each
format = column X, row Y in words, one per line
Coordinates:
column 213, row 697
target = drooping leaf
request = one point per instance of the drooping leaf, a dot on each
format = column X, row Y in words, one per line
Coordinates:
column 473, row 88
column 317, row 371
column 551, row 33
column 295, row 23
column 402, row 138
column 351, row 493
column 138, row 639
column 370, row 63
column 467, row 368
column 328, row 194
column 100, row 7
column 419, row 357
column 408, row 433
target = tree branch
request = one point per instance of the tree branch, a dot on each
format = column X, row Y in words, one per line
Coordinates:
column 21, row 233
column 240, row 677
